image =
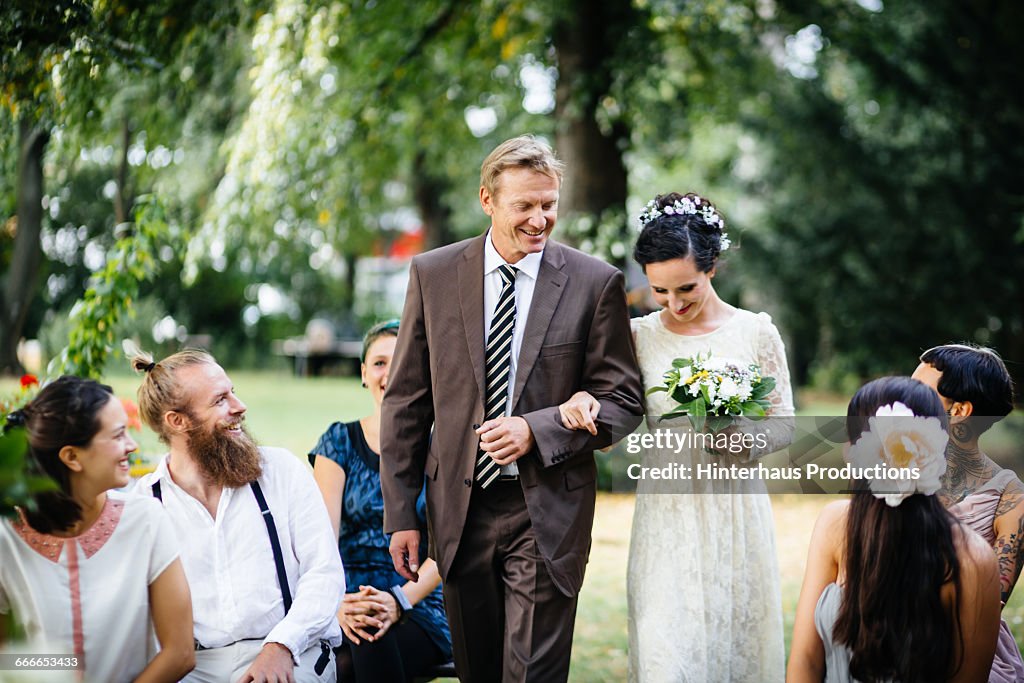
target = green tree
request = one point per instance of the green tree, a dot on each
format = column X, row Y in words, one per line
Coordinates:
column 70, row 69
column 892, row 181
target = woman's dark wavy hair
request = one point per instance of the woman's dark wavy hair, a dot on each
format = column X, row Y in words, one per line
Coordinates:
column 976, row 374
column 892, row 618
column 64, row 413
column 672, row 236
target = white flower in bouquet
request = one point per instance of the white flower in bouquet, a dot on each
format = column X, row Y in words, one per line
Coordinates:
column 715, row 390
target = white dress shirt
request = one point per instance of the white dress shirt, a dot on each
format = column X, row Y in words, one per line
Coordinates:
column 229, row 562
column 527, row 269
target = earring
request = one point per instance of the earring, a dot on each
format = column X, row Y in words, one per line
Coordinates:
column 364, row 385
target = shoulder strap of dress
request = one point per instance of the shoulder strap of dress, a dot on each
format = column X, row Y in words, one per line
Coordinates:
column 1001, row 480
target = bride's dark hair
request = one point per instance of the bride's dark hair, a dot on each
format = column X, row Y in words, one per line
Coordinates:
column 677, row 235
column 892, row 619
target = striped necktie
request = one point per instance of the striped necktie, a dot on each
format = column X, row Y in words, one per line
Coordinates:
column 498, row 366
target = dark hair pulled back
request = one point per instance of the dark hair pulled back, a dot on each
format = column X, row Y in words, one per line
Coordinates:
column 678, row 235
column 64, row 413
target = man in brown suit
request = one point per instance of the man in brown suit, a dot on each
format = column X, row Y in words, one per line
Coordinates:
column 498, row 332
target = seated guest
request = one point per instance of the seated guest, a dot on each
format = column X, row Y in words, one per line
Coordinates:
column 92, row 573
column 394, row 630
column 895, row 589
column 977, row 391
column 253, row 532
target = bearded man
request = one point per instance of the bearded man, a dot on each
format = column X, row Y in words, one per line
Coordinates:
column 256, row 542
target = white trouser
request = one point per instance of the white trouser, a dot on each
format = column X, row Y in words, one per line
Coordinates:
column 229, row 663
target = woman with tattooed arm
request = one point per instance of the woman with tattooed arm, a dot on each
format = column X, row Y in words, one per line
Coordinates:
column 977, row 392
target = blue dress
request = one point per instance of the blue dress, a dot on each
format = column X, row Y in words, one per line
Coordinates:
column 362, row 542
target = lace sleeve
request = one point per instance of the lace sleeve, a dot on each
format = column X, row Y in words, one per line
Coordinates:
column 771, row 356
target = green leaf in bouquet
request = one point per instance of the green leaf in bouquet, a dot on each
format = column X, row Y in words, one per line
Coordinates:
column 700, row 407
column 698, row 413
column 684, row 408
column 763, row 389
column 717, row 423
column 681, row 394
column 753, row 409
column 654, row 390
column 680, row 363
column 705, row 394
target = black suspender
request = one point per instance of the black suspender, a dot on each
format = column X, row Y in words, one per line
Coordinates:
column 275, row 542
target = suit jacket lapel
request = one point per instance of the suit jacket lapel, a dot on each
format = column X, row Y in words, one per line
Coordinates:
column 471, row 299
column 547, row 292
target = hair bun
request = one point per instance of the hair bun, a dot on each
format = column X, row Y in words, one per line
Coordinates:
column 16, row 419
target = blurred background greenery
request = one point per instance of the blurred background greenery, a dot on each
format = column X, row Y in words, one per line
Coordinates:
column 866, row 156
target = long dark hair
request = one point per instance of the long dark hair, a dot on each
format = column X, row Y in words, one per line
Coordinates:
column 897, row 559
column 64, row 413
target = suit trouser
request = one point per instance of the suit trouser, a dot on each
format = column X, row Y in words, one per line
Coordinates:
column 509, row 621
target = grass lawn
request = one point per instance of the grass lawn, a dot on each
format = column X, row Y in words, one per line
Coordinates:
column 293, row 412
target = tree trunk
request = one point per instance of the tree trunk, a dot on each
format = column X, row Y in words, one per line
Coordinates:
column 428, row 190
column 20, row 287
column 595, row 178
column 122, row 196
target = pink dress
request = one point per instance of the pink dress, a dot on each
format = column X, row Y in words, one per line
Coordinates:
column 978, row 511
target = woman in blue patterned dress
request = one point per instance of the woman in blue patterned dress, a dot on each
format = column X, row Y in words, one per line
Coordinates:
column 394, row 630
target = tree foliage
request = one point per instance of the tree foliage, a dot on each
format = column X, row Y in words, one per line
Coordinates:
column 892, row 184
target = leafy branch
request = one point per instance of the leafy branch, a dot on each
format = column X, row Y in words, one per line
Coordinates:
column 111, row 292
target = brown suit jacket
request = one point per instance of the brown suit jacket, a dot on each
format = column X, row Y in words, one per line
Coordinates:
column 577, row 337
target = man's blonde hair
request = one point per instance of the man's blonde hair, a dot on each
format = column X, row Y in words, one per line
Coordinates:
column 525, row 151
column 161, row 390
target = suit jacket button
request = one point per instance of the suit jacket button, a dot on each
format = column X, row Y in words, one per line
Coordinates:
column 468, row 482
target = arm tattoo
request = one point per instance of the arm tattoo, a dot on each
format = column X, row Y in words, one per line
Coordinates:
column 1010, row 558
column 1010, row 499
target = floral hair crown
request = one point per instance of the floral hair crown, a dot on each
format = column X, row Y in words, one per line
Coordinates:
column 690, row 205
column 910, row 449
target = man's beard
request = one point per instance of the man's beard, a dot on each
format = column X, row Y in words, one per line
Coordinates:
column 230, row 460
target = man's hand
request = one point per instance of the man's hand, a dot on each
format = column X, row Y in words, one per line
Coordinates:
column 506, row 439
column 405, row 553
column 273, row 664
column 580, row 411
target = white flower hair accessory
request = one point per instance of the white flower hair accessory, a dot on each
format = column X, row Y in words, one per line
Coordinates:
column 690, row 205
column 897, row 443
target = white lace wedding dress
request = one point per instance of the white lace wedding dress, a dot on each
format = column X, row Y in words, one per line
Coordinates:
column 703, row 579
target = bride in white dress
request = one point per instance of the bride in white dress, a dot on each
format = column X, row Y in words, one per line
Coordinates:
column 703, row 580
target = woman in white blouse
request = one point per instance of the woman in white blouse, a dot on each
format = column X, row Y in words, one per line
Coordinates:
column 91, row 573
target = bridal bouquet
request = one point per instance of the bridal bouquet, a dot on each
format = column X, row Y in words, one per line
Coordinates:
column 715, row 391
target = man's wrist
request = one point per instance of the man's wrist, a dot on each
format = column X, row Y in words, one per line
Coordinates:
column 276, row 646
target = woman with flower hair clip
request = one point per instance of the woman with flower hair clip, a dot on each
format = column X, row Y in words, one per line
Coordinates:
column 703, row 580
column 895, row 589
